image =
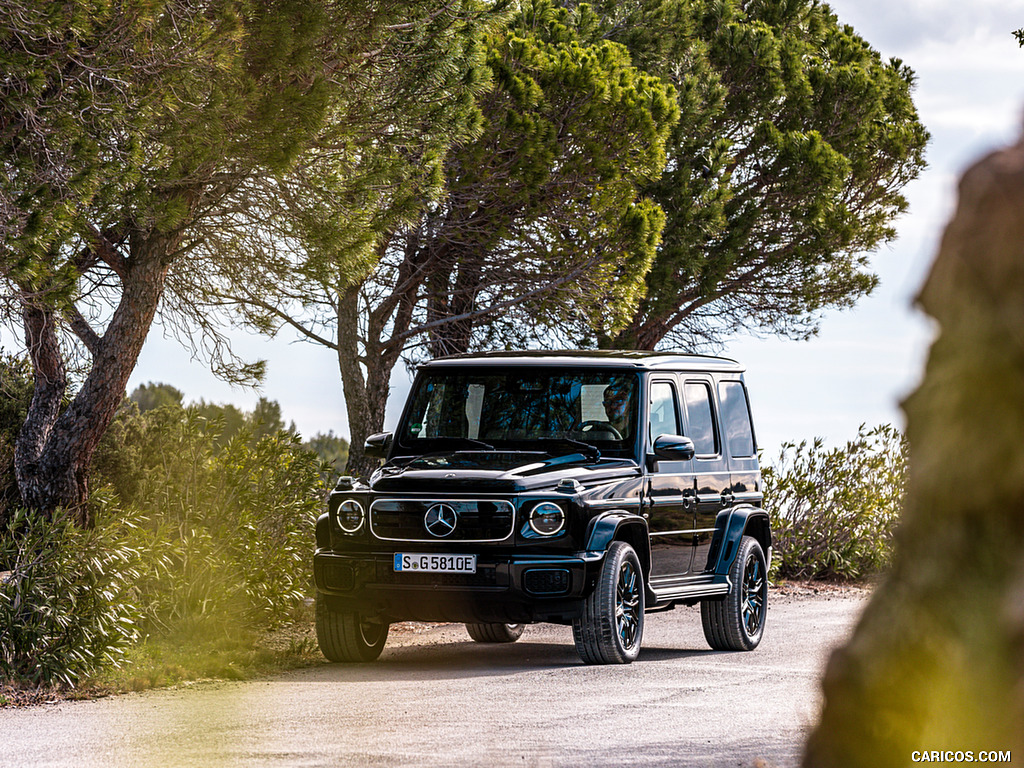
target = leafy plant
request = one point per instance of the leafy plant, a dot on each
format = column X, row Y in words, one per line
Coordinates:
column 834, row 511
column 227, row 531
column 65, row 604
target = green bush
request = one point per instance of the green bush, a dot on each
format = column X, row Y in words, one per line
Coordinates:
column 199, row 533
column 226, row 533
column 834, row 512
column 65, row 599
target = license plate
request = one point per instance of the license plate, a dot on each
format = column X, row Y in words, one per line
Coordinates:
column 434, row 563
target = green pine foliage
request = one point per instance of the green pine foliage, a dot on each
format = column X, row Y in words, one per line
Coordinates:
column 546, row 203
column 835, row 511
column 785, row 169
column 153, row 149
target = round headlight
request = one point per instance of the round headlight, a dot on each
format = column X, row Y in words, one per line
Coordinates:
column 350, row 515
column 547, row 518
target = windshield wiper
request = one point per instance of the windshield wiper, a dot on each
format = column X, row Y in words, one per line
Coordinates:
column 469, row 441
column 590, row 451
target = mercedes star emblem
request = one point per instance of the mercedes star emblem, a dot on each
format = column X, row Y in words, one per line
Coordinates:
column 440, row 520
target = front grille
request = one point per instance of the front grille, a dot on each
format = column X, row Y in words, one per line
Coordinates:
column 486, row 576
column 546, row 581
column 476, row 519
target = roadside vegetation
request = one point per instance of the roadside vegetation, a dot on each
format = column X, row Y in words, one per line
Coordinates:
column 197, row 565
column 835, row 510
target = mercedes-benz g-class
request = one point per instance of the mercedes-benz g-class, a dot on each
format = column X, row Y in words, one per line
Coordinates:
column 582, row 488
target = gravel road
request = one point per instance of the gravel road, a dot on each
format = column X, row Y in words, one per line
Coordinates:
column 437, row 699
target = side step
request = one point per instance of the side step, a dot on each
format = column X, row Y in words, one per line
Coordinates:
column 679, row 589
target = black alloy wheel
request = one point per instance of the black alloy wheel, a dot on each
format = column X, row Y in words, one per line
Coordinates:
column 628, row 604
column 754, row 595
column 495, row 633
column 611, row 629
column 736, row 623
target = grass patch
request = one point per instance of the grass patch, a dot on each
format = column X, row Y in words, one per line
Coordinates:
column 204, row 652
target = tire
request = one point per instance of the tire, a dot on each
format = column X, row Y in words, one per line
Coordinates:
column 737, row 622
column 612, row 626
column 495, row 633
column 346, row 636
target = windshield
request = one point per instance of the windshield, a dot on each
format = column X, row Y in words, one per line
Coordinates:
column 541, row 409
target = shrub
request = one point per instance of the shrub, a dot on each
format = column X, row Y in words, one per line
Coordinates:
column 227, row 532
column 197, row 535
column 65, row 610
column 834, row 512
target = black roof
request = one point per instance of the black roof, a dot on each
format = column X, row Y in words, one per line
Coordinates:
column 632, row 358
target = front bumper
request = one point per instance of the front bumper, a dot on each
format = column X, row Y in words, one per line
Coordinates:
column 513, row 589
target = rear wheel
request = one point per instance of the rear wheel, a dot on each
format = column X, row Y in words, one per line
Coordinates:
column 346, row 635
column 495, row 633
column 737, row 622
column 612, row 626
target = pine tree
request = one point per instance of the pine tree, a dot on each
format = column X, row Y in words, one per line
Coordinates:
column 139, row 140
column 783, row 172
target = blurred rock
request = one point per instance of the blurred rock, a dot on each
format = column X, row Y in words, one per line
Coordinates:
column 937, row 660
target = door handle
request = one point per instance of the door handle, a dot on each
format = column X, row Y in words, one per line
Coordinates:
column 646, row 505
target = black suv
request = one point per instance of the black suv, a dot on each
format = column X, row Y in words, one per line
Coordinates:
column 581, row 488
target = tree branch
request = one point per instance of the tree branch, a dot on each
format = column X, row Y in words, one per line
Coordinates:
column 279, row 314
column 85, row 333
column 105, row 250
column 489, row 310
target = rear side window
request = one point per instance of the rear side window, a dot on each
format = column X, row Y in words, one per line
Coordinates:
column 699, row 418
column 736, row 419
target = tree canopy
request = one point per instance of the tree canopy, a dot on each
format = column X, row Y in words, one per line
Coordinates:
column 785, row 168
column 141, row 140
column 541, row 211
column 431, row 176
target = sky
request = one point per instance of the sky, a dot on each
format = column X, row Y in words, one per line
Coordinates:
column 970, row 96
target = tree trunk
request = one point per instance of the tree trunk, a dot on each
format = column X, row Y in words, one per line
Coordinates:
column 456, row 336
column 35, row 483
column 54, row 450
column 365, row 396
column 937, row 660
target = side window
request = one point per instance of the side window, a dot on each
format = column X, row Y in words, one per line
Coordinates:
column 736, row 419
column 699, row 417
column 664, row 418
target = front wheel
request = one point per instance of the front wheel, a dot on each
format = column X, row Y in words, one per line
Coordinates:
column 347, row 636
column 612, row 625
column 737, row 622
column 495, row 633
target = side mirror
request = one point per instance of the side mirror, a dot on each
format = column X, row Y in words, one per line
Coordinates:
column 377, row 446
column 674, row 447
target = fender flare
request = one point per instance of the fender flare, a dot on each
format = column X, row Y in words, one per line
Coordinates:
column 323, row 531
column 620, row 525
column 730, row 527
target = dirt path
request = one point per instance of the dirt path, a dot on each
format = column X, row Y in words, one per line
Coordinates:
column 437, row 699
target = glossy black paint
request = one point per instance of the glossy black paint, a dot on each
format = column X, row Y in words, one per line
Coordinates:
column 673, row 447
column 682, row 512
column 378, row 445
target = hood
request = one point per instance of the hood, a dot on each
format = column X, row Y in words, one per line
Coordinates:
column 494, row 472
